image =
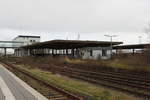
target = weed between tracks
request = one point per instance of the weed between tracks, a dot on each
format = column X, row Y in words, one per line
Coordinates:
column 87, row 90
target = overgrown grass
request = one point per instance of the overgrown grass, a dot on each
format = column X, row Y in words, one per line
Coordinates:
column 130, row 62
column 134, row 63
column 90, row 91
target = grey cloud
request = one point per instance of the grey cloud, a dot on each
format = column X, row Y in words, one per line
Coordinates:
column 75, row 15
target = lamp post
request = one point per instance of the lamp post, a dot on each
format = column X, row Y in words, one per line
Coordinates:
column 140, row 39
column 111, row 46
column 78, row 37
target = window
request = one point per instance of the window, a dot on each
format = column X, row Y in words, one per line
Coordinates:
column 104, row 52
column 34, row 41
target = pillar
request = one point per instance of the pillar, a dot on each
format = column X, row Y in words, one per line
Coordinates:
column 5, row 51
column 72, row 51
column 133, row 51
column 116, row 51
column 52, row 52
column 66, row 51
column 63, row 52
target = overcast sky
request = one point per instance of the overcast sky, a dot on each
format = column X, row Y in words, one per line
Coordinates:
column 59, row 19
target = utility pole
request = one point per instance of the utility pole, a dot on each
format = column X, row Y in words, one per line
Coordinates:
column 111, row 38
column 78, row 37
column 140, row 39
column 66, row 38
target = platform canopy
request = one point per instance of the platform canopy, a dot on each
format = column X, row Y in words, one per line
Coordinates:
column 133, row 46
column 70, row 44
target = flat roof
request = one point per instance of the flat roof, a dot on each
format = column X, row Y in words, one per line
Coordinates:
column 70, row 44
column 132, row 46
column 11, row 42
column 28, row 36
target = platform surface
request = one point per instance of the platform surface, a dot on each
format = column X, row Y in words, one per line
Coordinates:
column 13, row 88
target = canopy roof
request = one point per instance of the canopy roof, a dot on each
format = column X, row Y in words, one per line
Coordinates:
column 133, row 46
column 28, row 36
column 70, row 44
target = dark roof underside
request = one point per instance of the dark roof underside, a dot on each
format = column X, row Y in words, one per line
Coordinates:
column 69, row 44
column 11, row 42
column 135, row 46
column 29, row 36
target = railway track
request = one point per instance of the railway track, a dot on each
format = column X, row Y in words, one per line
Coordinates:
column 137, row 86
column 133, row 84
column 119, row 72
column 53, row 92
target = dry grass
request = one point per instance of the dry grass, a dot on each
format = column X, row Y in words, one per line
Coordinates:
column 85, row 89
column 135, row 63
column 131, row 62
column 31, row 64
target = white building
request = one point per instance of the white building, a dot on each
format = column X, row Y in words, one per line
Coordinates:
column 27, row 40
column 96, row 53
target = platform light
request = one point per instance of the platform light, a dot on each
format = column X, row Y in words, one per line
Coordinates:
column 111, row 38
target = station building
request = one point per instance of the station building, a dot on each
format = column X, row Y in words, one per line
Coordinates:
column 71, row 48
column 26, row 40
